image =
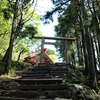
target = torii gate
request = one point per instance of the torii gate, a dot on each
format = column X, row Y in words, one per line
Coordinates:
column 54, row 43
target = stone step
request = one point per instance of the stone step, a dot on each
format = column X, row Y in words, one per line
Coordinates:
column 14, row 98
column 42, row 67
column 57, row 71
column 40, row 81
column 19, row 73
column 36, row 72
column 45, row 64
column 61, row 64
column 45, row 72
column 44, row 87
column 24, row 94
column 59, row 75
column 37, row 76
column 49, row 94
column 46, row 69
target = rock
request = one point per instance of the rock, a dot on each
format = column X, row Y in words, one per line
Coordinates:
column 42, row 97
column 61, row 99
column 79, row 87
column 98, row 97
column 13, row 85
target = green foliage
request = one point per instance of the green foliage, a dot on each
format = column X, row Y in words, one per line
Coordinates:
column 11, row 72
column 6, row 13
column 53, row 57
column 27, row 25
column 66, row 27
column 73, row 76
column 14, row 66
column 67, row 22
column 17, row 16
column 89, row 94
column 28, row 31
column 25, row 2
column 50, row 52
column 4, row 41
column 20, row 65
column 59, row 7
column 5, row 9
column 2, row 64
column 4, row 27
column 22, row 45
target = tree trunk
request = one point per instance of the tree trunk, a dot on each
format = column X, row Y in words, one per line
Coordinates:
column 8, row 55
column 79, row 52
column 94, row 56
column 19, row 55
column 96, row 26
column 84, row 46
column 98, row 53
column 92, row 77
column 85, row 54
column 77, row 43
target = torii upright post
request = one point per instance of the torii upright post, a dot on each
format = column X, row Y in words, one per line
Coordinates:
column 42, row 46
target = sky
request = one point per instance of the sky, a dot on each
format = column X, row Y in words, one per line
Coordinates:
column 41, row 8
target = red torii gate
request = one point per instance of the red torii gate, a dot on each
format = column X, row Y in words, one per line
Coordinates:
column 54, row 43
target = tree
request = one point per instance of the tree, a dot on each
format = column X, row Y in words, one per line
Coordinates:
column 25, row 39
column 21, row 48
column 52, row 54
column 92, row 73
column 76, row 18
column 19, row 11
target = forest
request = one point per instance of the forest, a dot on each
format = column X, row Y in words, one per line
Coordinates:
column 79, row 19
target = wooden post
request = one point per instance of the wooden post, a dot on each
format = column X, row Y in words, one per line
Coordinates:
column 42, row 46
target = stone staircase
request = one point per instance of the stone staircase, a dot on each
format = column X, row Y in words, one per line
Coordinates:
column 42, row 82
